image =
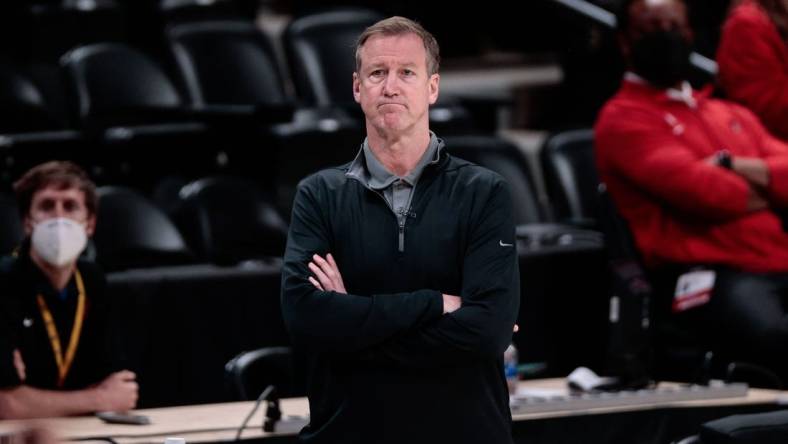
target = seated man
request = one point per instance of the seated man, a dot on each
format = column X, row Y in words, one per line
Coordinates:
column 53, row 311
column 700, row 182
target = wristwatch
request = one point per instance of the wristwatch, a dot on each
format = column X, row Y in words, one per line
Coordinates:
column 724, row 159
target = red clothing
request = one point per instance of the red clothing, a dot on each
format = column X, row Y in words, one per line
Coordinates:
column 753, row 66
column 651, row 151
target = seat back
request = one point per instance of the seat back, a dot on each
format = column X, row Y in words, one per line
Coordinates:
column 316, row 139
column 22, row 106
column 227, row 219
column 571, row 177
column 630, row 332
column 505, row 159
column 11, row 230
column 107, row 80
column 132, row 233
column 320, row 50
column 645, row 340
column 197, row 10
column 250, row 372
column 226, row 62
column 761, row 428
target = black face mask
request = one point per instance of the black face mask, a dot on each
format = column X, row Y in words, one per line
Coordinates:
column 661, row 57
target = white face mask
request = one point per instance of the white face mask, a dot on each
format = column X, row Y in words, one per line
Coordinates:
column 59, row 241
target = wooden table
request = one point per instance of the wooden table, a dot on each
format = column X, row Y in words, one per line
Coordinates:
column 220, row 422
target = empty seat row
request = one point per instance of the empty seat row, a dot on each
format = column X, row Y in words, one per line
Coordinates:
column 214, row 63
column 226, row 219
column 220, row 220
column 225, row 104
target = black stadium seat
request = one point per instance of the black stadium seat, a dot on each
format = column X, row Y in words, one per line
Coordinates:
column 114, row 84
column 548, row 254
column 132, row 233
column 30, row 132
column 196, row 10
column 227, row 219
column 320, row 54
column 571, row 177
column 251, row 372
column 505, row 159
column 11, row 230
column 226, row 63
column 22, row 106
column 139, row 126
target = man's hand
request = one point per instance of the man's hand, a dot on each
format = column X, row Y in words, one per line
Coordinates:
column 752, row 169
column 451, row 303
column 327, row 276
column 117, row 392
column 755, row 172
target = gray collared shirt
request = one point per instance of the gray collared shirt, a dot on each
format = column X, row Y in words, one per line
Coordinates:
column 398, row 191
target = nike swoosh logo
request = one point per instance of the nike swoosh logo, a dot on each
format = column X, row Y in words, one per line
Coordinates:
column 500, row 242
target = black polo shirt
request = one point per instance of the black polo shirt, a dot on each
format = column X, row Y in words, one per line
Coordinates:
column 22, row 326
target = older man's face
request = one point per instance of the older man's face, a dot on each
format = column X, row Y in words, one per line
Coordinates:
column 393, row 85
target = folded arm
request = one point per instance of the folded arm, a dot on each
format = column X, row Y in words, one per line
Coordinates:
column 770, row 170
column 328, row 319
column 656, row 162
column 481, row 328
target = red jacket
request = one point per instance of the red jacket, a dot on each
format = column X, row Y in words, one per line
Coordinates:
column 651, row 151
column 753, row 66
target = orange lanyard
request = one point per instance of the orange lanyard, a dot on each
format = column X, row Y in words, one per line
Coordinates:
column 64, row 362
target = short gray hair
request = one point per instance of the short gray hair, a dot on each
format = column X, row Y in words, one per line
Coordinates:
column 396, row 25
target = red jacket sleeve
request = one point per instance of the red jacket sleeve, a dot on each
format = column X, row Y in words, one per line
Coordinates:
column 775, row 153
column 636, row 146
column 753, row 65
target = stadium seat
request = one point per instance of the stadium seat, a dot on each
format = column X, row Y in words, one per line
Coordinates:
column 228, row 219
column 250, row 372
column 571, row 177
column 30, row 132
column 133, row 233
column 761, row 428
column 319, row 48
column 113, row 84
column 139, row 126
column 11, row 230
column 22, row 106
column 226, row 63
column 505, row 159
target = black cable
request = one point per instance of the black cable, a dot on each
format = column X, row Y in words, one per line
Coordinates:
column 263, row 396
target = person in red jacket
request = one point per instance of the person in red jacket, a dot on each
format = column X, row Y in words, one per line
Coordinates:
column 698, row 180
column 753, row 60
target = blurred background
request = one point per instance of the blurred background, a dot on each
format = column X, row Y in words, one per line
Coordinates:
column 197, row 119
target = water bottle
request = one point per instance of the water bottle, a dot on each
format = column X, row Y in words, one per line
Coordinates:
column 510, row 363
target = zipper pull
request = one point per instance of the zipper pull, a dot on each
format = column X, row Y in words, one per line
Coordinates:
column 402, row 236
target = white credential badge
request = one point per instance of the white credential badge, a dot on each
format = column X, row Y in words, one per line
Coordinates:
column 693, row 289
